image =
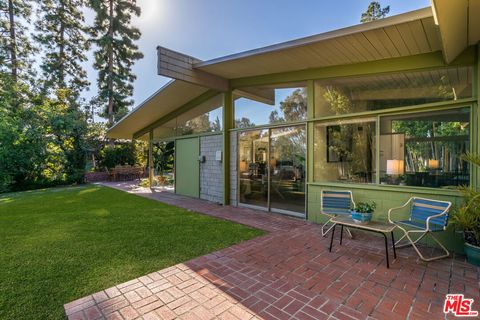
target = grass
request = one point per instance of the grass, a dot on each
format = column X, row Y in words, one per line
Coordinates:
column 58, row 245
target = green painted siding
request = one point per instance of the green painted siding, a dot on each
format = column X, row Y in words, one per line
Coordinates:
column 187, row 170
column 386, row 198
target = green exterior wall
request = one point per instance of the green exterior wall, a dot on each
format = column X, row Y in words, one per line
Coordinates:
column 187, row 169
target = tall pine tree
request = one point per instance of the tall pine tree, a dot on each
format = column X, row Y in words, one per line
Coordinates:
column 374, row 12
column 15, row 49
column 115, row 37
column 62, row 34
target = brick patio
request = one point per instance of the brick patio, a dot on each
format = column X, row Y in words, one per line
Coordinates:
column 287, row 274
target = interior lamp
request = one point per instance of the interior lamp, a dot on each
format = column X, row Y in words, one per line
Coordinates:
column 395, row 167
column 243, row 166
column 433, row 164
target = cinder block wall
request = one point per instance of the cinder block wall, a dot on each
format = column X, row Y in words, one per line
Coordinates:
column 211, row 180
column 233, row 169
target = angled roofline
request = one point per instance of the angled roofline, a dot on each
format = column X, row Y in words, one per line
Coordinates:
column 153, row 95
column 376, row 24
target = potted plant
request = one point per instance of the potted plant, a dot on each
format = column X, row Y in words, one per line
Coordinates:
column 467, row 217
column 362, row 212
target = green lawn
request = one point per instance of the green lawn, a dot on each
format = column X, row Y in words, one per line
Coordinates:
column 58, row 245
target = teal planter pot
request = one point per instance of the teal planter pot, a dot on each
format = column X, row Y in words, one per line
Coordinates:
column 361, row 218
column 473, row 254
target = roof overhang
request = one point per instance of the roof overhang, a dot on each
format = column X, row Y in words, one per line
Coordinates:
column 407, row 34
column 459, row 25
column 167, row 99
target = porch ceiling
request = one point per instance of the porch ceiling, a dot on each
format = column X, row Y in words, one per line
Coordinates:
column 167, row 99
column 397, row 36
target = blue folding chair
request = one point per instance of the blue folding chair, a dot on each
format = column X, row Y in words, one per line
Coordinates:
column 334, row 203
column 426, row 217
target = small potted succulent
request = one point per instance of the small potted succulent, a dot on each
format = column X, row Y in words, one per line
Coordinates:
column 362, row 212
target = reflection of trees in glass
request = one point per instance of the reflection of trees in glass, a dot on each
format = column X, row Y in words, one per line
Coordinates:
column 338, row 101
column 293, row 108
column 199, row 124
column 163, row 153
column 432, row 140
column 243, row 123
column 353, row 146
column 289, row 144
column 351, row 143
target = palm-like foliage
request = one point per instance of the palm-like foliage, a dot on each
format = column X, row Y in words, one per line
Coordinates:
column 467, row 217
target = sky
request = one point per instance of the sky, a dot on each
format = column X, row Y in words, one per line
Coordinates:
column 208, row 29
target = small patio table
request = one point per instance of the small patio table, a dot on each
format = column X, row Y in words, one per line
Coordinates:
column 374, row 226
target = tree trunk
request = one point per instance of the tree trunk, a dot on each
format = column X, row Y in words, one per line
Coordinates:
column 13, row 42
column 110, row 66
column 61, row 44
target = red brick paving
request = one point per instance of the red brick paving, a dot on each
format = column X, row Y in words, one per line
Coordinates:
column 287, row 274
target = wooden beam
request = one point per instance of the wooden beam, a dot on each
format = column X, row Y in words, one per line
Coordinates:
column 257, row 94
column 180, row 67
column 452, row 20
column 228, row 123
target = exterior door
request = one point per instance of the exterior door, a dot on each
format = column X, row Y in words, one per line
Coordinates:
column 287, row 170
column 187, row 167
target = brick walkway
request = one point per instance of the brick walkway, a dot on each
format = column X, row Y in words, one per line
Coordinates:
column 287, row 274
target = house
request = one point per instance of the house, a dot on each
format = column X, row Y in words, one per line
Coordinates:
column 384, row 108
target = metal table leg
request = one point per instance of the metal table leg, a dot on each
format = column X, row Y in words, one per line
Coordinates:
column 341, row 234
column 331, row 240
column 393, row 244
column 386, row 248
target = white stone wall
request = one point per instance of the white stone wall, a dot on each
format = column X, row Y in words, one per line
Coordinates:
column 211, row 177
column 233, row 169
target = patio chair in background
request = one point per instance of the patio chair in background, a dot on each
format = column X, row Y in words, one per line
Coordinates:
column 426, row 217
column 334, row 203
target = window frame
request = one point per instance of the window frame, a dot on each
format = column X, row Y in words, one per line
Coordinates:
column 469, row 103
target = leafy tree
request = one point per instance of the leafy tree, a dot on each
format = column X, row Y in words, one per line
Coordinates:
column 62, row 30
column 163, row 157
column 116, row 53
column 243, row 123
column 374, row 12
column 294, row 108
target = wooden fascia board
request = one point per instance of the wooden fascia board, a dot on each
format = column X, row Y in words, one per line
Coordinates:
column 179, row 66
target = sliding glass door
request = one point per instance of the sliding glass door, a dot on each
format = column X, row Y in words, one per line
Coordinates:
column 271, row 169
column 252, row 167
column 287, row 169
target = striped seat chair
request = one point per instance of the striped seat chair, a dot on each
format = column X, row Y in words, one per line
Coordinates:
column 426, row 217
column 334, row 203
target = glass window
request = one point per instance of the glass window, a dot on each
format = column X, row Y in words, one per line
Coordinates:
column 287, row 168
column 344, row 151
column 206, row 117
column 265, row 105
column 424, row 149
column 356, row 94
